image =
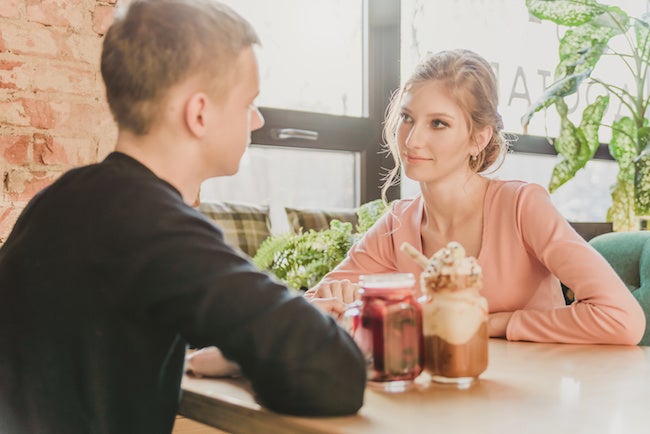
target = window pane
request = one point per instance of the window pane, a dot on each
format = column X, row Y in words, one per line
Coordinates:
column 289, row 177
column 311, row 58
column 522, row 50
column 585, row 198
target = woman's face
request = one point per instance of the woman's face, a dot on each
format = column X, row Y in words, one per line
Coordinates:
column 432, row 134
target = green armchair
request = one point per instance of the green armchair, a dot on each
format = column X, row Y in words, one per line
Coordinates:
column 629, row 255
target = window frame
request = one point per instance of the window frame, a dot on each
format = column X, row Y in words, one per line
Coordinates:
column 381, row 52
column 540, row 145
column 382, row 57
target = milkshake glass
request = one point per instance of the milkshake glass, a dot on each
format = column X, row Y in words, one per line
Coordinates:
column 454, row 315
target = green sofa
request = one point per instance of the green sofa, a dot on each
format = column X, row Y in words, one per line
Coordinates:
column 629, row 255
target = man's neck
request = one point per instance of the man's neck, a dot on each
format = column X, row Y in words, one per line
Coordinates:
column 167, row 159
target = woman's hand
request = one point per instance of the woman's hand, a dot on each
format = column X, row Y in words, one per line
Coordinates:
column 333, row 296
column 343, row 290
column 332, row 306
column 498, row 324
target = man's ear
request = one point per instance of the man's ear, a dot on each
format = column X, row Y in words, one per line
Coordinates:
column 195, row 114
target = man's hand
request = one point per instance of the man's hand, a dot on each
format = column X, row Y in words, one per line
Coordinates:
column 210, row 362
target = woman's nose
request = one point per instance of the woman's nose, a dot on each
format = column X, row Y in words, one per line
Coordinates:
column 413, row 137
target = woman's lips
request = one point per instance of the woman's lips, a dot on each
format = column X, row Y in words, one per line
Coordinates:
column 416, row 158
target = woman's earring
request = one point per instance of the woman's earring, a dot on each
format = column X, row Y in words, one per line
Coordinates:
column 473, row 158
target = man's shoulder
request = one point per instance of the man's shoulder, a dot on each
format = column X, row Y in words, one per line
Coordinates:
column 116, row 181
column 112, row 194
column 115, row 169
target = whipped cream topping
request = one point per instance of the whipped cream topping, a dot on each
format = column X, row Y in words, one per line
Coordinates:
column 451, row 260
column 450, row 269
column 454, row 316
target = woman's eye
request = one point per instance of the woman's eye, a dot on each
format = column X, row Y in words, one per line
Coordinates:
column 404, row 117
column 438, row 124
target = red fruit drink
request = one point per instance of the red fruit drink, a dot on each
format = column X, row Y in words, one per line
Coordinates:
column 388, row 330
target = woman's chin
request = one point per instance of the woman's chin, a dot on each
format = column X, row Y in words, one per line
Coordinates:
column 417, row 174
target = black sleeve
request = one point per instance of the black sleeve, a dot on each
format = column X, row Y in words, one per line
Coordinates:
column 297, row 359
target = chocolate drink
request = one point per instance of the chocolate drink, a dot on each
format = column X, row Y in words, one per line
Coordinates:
column 444, row 359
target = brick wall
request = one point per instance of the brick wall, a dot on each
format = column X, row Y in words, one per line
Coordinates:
column 53, row 113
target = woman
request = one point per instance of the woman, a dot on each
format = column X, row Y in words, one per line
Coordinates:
column 444, row 129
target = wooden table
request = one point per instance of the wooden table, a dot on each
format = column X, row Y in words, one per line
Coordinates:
column 527, row 388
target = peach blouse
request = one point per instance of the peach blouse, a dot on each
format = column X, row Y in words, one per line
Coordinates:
column 527, row 247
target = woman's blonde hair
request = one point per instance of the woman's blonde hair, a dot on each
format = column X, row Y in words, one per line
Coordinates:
column 472, row 83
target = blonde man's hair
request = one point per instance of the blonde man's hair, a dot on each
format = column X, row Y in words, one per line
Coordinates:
column 157, row 44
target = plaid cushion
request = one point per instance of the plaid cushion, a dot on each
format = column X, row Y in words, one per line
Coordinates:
column 318, row 219
column 245, row 226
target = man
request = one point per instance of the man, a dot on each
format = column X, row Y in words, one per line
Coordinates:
column 109, row 272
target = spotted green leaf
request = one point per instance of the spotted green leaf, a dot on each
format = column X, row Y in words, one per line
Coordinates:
column 642, row 172
column 622, row 146
column 642, row 184
column 563, row 87
column 621, row 213
column 592, row 117
column 581, row 48
column 642, row 35
column 565, row 12
column 576, row 145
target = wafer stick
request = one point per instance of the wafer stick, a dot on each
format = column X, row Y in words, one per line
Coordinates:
column 418, row 257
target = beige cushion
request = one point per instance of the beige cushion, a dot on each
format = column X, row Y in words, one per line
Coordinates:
column 318, row 219
column 245, row 226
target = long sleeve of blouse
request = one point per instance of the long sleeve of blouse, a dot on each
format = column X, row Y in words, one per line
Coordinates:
column 527, row 248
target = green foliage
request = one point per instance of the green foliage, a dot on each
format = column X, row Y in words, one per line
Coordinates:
column 590, row 26
column 368, row 214
column 301, row 260
column 576, row 144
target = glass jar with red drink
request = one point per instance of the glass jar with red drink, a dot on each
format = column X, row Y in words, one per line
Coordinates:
column 387, row 326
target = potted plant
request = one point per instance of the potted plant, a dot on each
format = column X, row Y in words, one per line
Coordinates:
column 591, row 27
column 301, row 260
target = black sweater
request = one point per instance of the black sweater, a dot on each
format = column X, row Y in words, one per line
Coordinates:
column 105, row 277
